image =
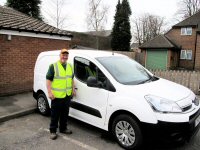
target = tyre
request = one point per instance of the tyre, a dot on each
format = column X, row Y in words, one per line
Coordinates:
column 127, row 132
column 43, row 105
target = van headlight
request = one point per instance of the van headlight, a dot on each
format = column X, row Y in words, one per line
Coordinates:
column 163, row 105
column 196, row 101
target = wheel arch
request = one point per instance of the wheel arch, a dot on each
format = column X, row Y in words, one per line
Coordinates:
column 35, row 94
column 40, row 92
column 120, row 112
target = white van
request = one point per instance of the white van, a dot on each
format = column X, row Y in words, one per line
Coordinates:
column 121, row 96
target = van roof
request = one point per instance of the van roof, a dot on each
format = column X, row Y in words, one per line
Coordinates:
column 89, row 53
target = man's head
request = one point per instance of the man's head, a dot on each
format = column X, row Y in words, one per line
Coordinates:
column 64, row 55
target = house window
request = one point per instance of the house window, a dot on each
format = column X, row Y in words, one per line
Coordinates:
column 186, row 31
column 186, row 54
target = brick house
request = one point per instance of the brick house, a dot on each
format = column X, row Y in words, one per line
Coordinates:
column 178, row 48
column 22, row 38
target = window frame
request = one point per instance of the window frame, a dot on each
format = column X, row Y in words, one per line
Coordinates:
column 186, row 31
column 186, row 55
column 183, row 54
column 189, row 54
column 85, row 62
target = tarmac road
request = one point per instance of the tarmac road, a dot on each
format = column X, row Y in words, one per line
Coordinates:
column 31, row 133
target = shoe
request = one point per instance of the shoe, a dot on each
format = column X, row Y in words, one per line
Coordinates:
column 67, row 131
column 53, row 136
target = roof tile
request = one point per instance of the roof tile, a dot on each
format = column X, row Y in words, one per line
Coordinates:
column 194, row 20
column 14, row 20
column 161, row 41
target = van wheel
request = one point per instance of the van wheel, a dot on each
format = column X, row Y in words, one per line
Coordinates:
column 127, row 132
column 42, row 104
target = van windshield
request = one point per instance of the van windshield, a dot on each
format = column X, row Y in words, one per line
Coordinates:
column 125, row 70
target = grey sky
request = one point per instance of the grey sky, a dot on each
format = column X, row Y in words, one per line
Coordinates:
column 76, row 11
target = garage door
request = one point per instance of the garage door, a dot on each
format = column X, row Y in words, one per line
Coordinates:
column 156, row 59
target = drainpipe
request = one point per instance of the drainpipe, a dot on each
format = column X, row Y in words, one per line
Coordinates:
column 195, row 49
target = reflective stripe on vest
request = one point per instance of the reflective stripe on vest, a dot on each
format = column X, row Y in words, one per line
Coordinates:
column 62, row 82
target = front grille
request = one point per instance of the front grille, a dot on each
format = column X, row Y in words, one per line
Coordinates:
column 187, row 108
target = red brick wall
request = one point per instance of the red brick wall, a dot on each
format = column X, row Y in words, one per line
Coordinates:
column 17, row 60
column 187, row 42
column 197, row 59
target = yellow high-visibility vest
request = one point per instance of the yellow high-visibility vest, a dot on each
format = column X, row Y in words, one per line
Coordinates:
column 62, row 82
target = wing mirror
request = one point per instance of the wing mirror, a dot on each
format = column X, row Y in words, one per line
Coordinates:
column 92, row 82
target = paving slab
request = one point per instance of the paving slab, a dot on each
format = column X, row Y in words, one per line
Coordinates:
column 16, row 106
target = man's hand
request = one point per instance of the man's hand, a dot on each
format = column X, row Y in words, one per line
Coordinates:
column 74, row 89
column 51, row 96
column 74, row 92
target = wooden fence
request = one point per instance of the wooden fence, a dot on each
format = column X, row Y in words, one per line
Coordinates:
column 190, row 79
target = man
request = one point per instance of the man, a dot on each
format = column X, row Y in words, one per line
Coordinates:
column 59, row 80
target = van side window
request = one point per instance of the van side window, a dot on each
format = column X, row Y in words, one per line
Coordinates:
column 79, row 68
column 84, row 68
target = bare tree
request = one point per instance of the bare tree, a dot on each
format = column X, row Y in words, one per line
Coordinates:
column 54, row 12
column 96, row 17
column 188, row 8
column 147, row 27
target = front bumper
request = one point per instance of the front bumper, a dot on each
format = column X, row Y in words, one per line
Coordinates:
column 173, row 131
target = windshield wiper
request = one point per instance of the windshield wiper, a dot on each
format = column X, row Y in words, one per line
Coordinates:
column 150, row 79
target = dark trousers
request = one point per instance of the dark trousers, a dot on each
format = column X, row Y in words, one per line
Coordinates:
column 59, row 113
